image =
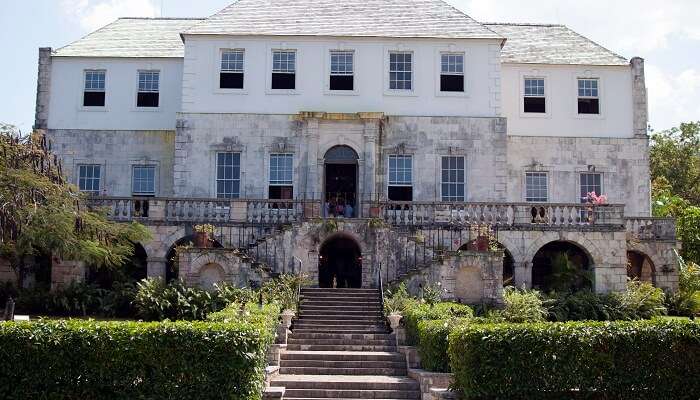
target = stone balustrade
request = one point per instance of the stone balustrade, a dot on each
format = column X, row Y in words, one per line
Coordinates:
column 504, row 215
column 650, row 228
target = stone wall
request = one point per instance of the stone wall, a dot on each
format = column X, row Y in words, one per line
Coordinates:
column 43, row 89
column 117, row 152
column 7, row 274
column 624, row 164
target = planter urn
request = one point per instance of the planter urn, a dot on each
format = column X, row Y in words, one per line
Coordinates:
column 202, row 240
column 394, row 320
column 287, row 316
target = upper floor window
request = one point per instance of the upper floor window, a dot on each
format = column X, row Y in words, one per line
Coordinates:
column 400, row 178
column 144, row 180
column 534, row 96
column 284, row 66
column 590, row 182
column 89, row 177
column 149, row 89
column 94, row 88
column 231, row 75
column 342, row 70
column 451, row 72
column 452, row 181
column 281, row 176
column 536, row 187
column 400, row 70
column 588, row 96
column 228, row 175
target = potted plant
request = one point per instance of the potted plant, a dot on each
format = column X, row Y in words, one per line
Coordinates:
column 203, row 236
column 593, row 201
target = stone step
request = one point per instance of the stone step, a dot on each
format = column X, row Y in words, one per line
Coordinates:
column 340, row 347
column 339, row 290
column 342, row 331
column 305, row 311
column 385, row 371
column 340, row 317
column 338, row 293
column 340, row 302
column 340, row 309
column 373, row 342
column 358, row 382
column 339, row 321
column 343, row 356
column 319, row 394
column 344, row 336
column 343, row 364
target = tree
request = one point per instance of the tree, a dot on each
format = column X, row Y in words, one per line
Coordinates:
column 41, row 213
column 675, row 156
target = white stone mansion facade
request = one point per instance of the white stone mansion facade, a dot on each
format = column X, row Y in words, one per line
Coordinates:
column 430, row 125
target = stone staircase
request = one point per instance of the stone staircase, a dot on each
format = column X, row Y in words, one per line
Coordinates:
column 340, row 348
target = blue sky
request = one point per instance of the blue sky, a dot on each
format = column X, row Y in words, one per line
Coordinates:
column 666, row 34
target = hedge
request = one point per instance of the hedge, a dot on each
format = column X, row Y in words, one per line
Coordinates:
column 417, row 312
column 132, row 360
column 657, row 359
column 433, row 343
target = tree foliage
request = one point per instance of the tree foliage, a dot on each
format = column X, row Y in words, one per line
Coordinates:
column 41, row 213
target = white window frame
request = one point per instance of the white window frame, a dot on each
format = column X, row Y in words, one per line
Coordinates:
column 270, row 70
column 85, row 71
column 328, row 72
column 280, row 183
column 133, row 179
column 580, row 184
column 388, row 91
column 547, row 186
column 138, row 90
column 448, row 53
column 410, row 170
column 100, row 178
column 225, row 195
column 463, row 182
column 588, row 75
column 219, row 70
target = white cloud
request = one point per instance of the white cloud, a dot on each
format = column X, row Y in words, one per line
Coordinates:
column 94, row 14
column 673, row 98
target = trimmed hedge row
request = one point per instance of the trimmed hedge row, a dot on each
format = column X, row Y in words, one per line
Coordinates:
column 433, row 343
column 415, row 313
column 602, row 360
column 133, row 360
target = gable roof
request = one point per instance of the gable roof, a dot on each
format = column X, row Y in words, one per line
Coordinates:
column 551, row 44
column 350, row 18
column 132, row 37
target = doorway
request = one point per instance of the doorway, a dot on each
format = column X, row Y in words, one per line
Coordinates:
column 340, row 264
column 340, row 186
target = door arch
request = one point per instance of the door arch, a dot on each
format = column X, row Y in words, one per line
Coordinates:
column 340, row 166
column 340, row 258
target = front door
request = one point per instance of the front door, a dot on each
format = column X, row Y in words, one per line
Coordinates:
column 341, row 190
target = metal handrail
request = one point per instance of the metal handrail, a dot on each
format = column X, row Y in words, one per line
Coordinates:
column 381, row 285
column 299, row 273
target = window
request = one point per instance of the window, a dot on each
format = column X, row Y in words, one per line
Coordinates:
column 149, row 87
column 144, row 180
column 228, row 175
column 452, row 72
column 400, row 178
column 590, row 182
column 588, row 96
column 453, row 178
column 281, row 176
column 534, row 97
column 231, row 75
column 89, row 178
column 284, row 65
column 342, row 70
column 536, row 189
column 94, row 90
column 401, row 71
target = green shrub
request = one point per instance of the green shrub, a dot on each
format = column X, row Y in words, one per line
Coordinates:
column 422, row 312
column 582, row 306
column 686, row 302
column 227, row 293
column 396, row 300
column 131, row 360
column 521, row 305
column 266, row 316
column 283, row 290
column 433, row 343
column 656, row 359
column 641, row 300
column 156, row 301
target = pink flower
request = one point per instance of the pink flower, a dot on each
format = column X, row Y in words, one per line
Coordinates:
column 593, row 198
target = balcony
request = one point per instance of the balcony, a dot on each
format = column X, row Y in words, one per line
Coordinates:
column 506, row 216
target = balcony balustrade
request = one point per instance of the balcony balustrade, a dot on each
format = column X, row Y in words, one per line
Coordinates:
column 502, row 215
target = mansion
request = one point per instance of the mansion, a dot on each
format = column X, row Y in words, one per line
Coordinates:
column 361, row 139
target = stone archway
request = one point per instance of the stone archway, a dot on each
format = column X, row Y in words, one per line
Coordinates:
column 563, row 266
column 341, row 181
column 172, row 268
column 340, row 263
column 211, row 274
column 508, row 261
column 640, row 267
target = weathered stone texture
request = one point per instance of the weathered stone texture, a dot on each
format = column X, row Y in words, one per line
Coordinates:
column 43, row 87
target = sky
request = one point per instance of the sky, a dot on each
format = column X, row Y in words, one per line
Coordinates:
column 666, row 34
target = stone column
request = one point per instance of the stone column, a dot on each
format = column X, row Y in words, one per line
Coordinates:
column 43, row 87
column 312, row 182
column 522, row 274
column 182, row 170
column 639, row 95
column 156, row 267
column 369, row 172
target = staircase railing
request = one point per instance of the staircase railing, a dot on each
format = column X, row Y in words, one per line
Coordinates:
column 381, row 285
